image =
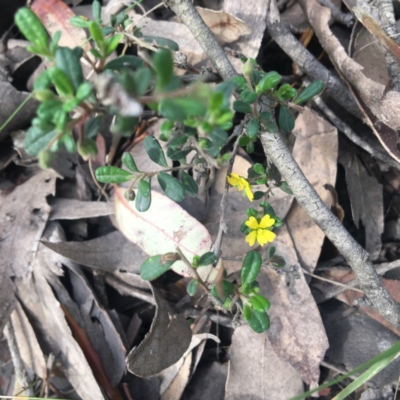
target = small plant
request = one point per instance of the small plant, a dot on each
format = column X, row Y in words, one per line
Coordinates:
column 197, row 120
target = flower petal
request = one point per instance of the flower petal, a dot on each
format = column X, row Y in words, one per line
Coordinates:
column 234, row 179
column 252, row 223
column 265, row 236
column 248, row 192
column 266, row 221
column 251, row 238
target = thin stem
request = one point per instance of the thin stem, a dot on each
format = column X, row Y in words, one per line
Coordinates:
column 16, row 111
column 181, row 167
column 96, row 182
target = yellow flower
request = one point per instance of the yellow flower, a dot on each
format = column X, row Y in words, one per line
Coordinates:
column 260, row 231
column 241, row 184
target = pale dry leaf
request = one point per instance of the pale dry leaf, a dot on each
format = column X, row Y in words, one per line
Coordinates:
column 23, row 216
column 162, row 228
column 55, row 16
column 366, row 198
column 168, row 339
column 49, row 322
column 71, row 209
column 225, row 26
column 256, row 372
column 177, row 386
column 316, row 152
column 296, row 333
column 27, row 342
column 109, row 253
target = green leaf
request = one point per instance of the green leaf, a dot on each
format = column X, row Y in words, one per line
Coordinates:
column 253, row 127
column 277, row 261
column 142, row 79
column 251, row 267
column 286, row 120
column 107, row 30
column 180, row 109
column 285, row 187
column 37, row 139
column 123, row 126
column 155, row 266
column 207, row 259
column 96, row 11
column 271, row 126
column 189, row 184
column 45, row 157
column 98, row 37
column 272, row 250
column 258, row 321
column 112, row 42
column 240, row 83
column 48, row 108
column 143, row 197
column 268, row 209
column 285, row 92
column 248, row 97
column 92, row 127
column 69, row 142
column 258, row 195
column 68, row 62
column 112, row 175
column 42, row 81
column 162, row 42
column 154, row 151
column 96, row 53
column 87, row 148
column 84, row 91
column 54, row 42
column 216, row 101
column 192, row 287
column 227, row 287
column 178, row 154
column 278, row 222
column 244, row 140
column 171, row 186
column 258, row 169
column 32, row 28
column 164, row 68
column 250, row 147
column 131, row 62
column 266, row 115
column 260, row 303
column 129, row 162
column 79, row 22
column 312, row 90
column 268, row 82
column 218, row 136
column 242, row 107
column 61, row 81
column 166, row 130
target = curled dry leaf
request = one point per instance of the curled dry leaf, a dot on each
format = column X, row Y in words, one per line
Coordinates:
column 168, row 339
column 74, row 209
column 162, row 228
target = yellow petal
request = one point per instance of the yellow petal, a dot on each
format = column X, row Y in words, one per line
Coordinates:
column 266, row 221
column 252, row 223
column 251, row 238
column 265, row 236
column 248, row 192
column 234, row 179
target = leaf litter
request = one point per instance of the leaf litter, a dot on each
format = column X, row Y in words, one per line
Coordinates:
column 61, row 309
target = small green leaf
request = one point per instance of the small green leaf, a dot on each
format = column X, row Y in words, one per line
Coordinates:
column 285, row 92
column 192, row 287
column 189, row 184
column 155, row 266
column 68, row 62
column 112, row 42
column 97, row 36
column 162, row 42
column 259, row 169
column 242, row 107
column 272, row 250
column 112, row 175
column 129, row 162
column 268, row 209
column 171, row 186
column 123, row 126
column 268, row 82
column 278, row 222
column 266, row 115
column 48, row 108
column 258, row 195
column 87, row 148
column 154, row 151
column 271, row 126
column 285, row 187
column 84, row 91
column 42, row 81
column 166, row 130
column 244, row 140
column 143, row 197
column 227, row 287
column 119, row 63
column 32, row 28
column 96, row 11
column 45, row 157
column 216, row 101
column 107, row 30
column 37, row 139
column 96, row 53
column 69, row 142
column 54, row 42
column 92, row 127
column 286, row 120
column 312, row 90
column 79, row 22
column 251, row 267
column 164, row 68
column 61, row 81
column 258, row 321
column 240, row 83
column 248, row 97
column 253, row 127
column 260, row 303
column 180, row 109
column 142, row 79
column 207, row 259
column 277, row 261
column 250, row 147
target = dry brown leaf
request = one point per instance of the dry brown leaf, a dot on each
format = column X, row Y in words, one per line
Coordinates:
column 23, row 216
column 109, row 253
column 74, row 209
column 168, row 339
column 256, row 371
column 296, row 333
column 316, row 152
column 225, row 26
